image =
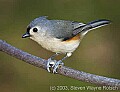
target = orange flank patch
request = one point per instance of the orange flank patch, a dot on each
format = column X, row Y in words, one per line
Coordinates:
column 77, row 37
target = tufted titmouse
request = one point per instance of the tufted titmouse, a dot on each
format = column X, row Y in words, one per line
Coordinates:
column 59, row 36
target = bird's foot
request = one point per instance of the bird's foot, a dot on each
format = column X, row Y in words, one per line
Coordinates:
column 57, row 65
column 50, row 64
column 53, row 65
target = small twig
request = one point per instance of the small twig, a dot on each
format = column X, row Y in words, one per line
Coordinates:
column 63, row 70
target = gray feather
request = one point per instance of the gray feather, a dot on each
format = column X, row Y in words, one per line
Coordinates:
column 63, row 29
column 91, row 25
column 60, row 29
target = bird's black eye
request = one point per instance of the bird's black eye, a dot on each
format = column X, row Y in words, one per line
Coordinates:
column 35, row 29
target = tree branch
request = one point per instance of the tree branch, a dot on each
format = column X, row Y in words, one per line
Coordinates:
column 63, row 70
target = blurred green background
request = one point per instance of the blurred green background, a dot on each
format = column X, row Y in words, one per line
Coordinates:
column 99, row 52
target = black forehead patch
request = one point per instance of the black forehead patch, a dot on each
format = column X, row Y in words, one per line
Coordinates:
column 28, row 29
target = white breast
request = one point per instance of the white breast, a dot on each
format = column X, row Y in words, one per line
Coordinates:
column 56, row 45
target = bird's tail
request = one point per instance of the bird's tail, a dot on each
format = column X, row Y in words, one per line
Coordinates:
column 92, row 25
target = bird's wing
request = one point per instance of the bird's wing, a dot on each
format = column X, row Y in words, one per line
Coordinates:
column 64, row 29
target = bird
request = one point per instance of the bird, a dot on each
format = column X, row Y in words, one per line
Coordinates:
column 60, row 36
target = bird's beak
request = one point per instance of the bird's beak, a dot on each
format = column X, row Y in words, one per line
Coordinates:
column 26, row 35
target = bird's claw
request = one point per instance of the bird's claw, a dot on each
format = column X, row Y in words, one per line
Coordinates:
column 53, row 65
column 50, row 64
column 57, row 65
